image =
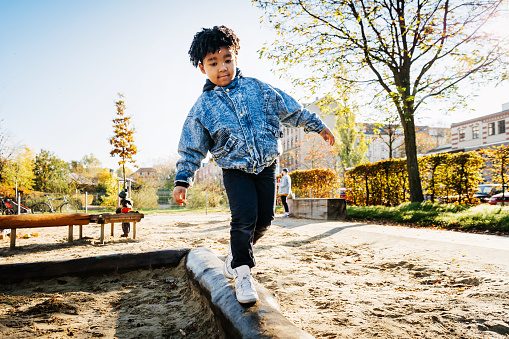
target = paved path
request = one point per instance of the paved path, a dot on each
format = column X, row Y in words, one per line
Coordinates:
column 424, row 242
column 393, row 240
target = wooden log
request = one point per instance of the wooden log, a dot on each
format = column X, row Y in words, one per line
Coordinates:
column 43, row 220
column 91, row 265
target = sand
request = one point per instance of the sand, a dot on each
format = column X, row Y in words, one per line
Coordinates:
column 333, row 280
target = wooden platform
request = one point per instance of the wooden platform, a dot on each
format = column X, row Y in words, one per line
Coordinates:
column 70, row 220
column 315, row 208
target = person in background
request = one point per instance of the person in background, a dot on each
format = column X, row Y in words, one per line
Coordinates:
column 126, row 205
column 284, row 189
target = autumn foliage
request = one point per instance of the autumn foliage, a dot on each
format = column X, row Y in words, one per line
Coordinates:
column 321, row 181
column 452, row 177
column 123, row 140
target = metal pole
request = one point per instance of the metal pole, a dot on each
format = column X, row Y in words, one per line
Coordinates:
column 86, row 202
column 118, row 192
column 19, row 202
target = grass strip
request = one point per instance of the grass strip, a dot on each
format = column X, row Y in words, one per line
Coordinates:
column 448, row 216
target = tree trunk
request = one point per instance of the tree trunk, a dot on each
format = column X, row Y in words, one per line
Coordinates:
column 414, row 179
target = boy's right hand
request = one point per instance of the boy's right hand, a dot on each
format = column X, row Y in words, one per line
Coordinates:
column 179, row 195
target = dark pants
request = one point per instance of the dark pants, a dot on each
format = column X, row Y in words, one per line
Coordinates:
column 252, row 199
column 126, row 227
column 283, row 201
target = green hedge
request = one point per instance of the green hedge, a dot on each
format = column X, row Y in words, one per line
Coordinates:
column 321, row 181
column 454, row 176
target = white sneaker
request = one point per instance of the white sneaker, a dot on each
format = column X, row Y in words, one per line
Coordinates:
column 227, row 266
column 244, row 285
column 286, row 215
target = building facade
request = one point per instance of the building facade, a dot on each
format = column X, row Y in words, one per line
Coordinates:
column 144, row 173
column 208, row 172
column 481, row 132
column 298, row 148
column 302, row 150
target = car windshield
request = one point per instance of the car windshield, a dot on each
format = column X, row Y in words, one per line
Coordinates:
column 486, row 189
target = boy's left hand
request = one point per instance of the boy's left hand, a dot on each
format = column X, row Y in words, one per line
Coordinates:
column 327, row 135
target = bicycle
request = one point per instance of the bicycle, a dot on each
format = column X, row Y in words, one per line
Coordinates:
column 64, row 207
column 10, row 207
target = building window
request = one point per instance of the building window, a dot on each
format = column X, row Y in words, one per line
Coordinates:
column 475, row 132
column 462, row 134
column 491, row 128
column 501, row 126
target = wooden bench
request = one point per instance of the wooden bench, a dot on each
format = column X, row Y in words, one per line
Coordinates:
column 103, row 219
column 14, row 222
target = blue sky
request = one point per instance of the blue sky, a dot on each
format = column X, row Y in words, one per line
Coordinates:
column 63, row 62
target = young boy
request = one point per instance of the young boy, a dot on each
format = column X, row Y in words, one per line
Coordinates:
column 127, row 206
column 237, row 119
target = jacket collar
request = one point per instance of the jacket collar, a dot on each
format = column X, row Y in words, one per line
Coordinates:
column 209, row 85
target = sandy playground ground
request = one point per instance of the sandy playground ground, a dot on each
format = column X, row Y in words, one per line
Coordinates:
column 332, row 279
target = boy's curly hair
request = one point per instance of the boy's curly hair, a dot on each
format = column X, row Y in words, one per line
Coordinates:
column 210, row 40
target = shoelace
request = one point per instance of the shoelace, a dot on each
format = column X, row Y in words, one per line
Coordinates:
column 245, row 282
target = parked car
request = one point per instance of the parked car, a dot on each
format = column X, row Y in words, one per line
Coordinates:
column 343, row 194
column 486, row 191
column 500, row 198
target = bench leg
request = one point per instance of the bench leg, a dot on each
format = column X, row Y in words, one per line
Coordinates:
column 102, row 234
column 70, row 235
column 112, row 229
column 13, row 238
column 134, row 229
column 81, row 231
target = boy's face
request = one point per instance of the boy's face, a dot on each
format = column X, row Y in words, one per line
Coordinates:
column 220, row 67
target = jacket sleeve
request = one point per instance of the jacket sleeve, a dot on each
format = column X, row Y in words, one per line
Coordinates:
column 195, row 142
column 293, row 114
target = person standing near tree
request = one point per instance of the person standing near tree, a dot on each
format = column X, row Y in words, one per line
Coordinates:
column 284, row 189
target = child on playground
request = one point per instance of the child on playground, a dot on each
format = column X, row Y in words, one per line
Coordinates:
column 237, row 119
column 126, row 206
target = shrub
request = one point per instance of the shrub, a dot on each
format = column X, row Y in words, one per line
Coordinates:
column 320, row 180
column 145, row 197
column 206, row 193
column 455, row 176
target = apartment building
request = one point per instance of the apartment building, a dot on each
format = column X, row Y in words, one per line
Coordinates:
column 208, row 171
column 481, row 132
column 297, row 146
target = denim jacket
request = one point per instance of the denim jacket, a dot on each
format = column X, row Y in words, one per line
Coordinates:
column 239, row 125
